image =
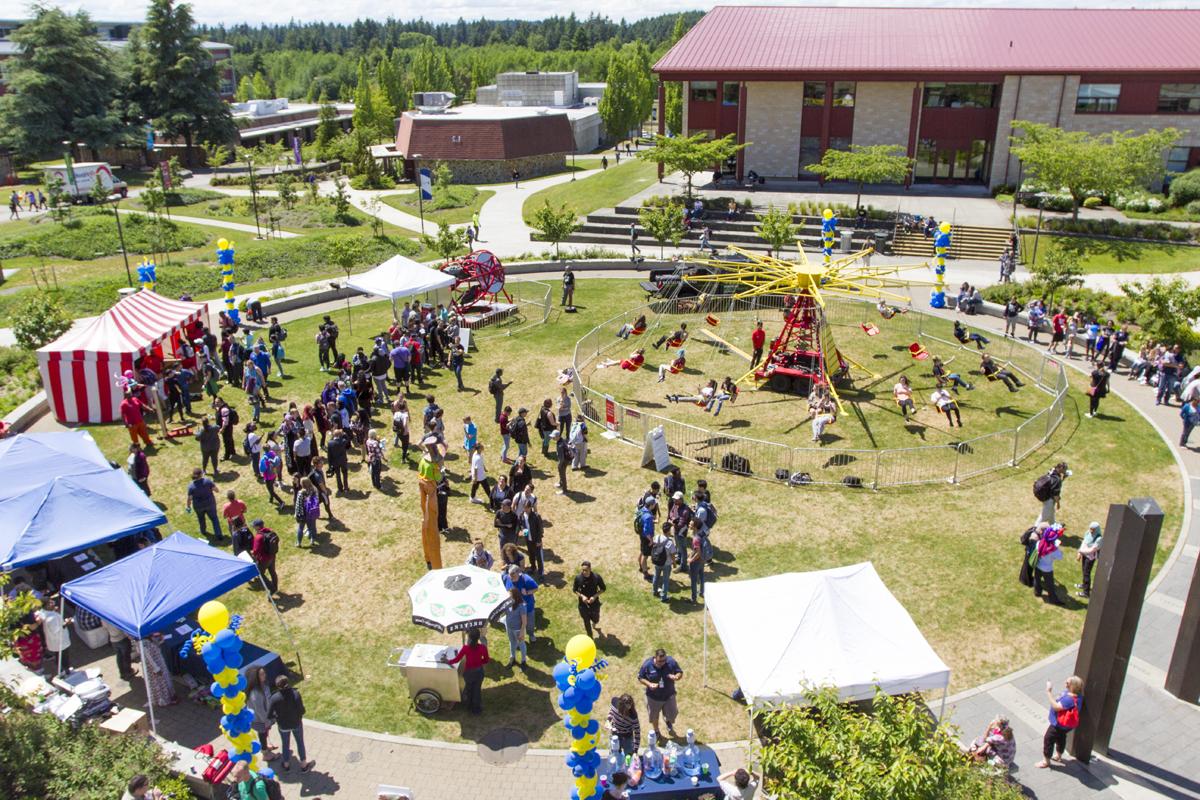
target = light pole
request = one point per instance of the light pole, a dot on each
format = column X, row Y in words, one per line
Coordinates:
column 121, row 236
column 420, row 189
column 254, row 196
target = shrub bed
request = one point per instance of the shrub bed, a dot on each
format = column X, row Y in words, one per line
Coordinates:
column 19, row 379
column 92, row 234
column 1155, row 231
column 1099, row 305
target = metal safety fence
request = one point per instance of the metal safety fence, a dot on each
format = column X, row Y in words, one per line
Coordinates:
column 801, row 465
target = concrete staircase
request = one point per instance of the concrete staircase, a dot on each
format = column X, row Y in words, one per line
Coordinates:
column 966, row 241
column 610, row 227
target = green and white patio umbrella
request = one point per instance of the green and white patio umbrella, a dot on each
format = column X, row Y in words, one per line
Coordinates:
column 458, row 598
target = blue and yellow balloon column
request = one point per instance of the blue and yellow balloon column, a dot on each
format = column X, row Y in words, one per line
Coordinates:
column 225, row 261
column 579, row 678
column 147, row 274
column 828, row 235
column 941, row 246
column 221, row 648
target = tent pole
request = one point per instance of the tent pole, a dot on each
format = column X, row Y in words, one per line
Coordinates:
column 146, row 678
column 942, row 710
column 395, row 316
column 158, row 411
column 705, row 619
column 287, row 630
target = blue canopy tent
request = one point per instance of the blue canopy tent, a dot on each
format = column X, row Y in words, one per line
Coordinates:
column 65, row 514
column 32, row 459
column 145, row 592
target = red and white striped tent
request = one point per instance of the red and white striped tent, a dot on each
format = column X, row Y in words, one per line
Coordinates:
column 80, row 368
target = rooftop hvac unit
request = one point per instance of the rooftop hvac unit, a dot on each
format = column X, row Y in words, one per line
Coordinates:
column 433, row 102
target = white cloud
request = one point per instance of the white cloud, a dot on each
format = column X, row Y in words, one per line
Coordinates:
column 233, row 11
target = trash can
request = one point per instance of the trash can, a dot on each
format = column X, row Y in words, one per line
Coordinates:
column 882, row 242
column 847, row 243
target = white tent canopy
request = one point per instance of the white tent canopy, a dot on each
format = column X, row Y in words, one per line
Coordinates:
column 836, row 627
column 400, row 277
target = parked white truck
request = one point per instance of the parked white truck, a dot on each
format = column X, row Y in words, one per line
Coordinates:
column 86, row 175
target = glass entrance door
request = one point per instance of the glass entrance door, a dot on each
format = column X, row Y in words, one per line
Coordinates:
column 953, row 164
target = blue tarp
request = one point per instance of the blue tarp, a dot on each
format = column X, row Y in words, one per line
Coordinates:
column 147, row 591
column 32, row 459
column 69, row 514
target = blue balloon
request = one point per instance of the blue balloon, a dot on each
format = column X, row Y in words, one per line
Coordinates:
column 598, row 794
column 216, row 690
column 575, row 795
column 255, row 747
column 578, row 732
column 563, row 704
column 240, row 684
column 585, row 680
column 589, row 772
column 596, row 691
column 577, row 772
column 570, row 695
column 593, row 726
column 233, row 659
column 584, row 706
column 592, row 757
column 240, row 757
column 561, row 672
column 572, row 759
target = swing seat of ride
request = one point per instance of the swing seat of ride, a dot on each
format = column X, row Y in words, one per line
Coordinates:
column 869, row 329
column 638, row 331
column 673, row 343
column 712, row 320
column 630, row 365
column 918, row 351
column 182, row 430
column 675, row 368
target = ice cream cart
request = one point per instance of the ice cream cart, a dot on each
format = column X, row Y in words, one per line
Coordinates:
column 431, row 681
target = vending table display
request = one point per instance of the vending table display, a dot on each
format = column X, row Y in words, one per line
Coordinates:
column 431, row 681
column 682, row 783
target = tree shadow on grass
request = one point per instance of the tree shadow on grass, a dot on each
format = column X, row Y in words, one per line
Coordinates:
column 1119, row 250
column 456, row 534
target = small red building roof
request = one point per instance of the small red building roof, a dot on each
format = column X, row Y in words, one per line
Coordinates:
column 749, row 40
column 462, row 136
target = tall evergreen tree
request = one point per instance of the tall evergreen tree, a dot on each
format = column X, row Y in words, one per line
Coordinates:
column 175, row 80
column 245, row 89
column 62, row 86
column 430, row 71
column 364, row 105
column 262, row 87
column 673, row 90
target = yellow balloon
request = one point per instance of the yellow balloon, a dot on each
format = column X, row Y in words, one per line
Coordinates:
column 827, row 213
column 222, row 244
column 586, row 786
column 579, row 746
column 226, row 677
column 577, row 718
column 944, row 227
column 227, row 706
column 213, row 616
column 581, row 650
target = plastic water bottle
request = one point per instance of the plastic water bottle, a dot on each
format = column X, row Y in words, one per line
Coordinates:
column 614, row 755
column 691, row 754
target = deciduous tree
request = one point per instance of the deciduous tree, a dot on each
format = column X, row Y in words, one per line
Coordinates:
column 776, row 229
column 1057, row 269
column 1080, row 163
column 1167, row 311
column 862, row 164
column 554, row 224
column 447, row 242
column 691, row 154
column 664, row 223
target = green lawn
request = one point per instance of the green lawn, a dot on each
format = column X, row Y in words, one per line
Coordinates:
column 604, row 190
column 461, row 203
column 1175, row 214
column 1111, row 255
column 976, row 615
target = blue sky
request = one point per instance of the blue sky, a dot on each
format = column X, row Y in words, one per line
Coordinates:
column 231, row 11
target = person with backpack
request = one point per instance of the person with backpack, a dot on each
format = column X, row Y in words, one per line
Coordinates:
column 1048, row 490
column 269, row 468
column 263, row 548
column 1064, row 718
column 307, row 509
column 706, row 514
column 562, row 452
column 519, row 430
column 339, row 461
column 1046, row 552
column 662, row 555
column 579, row 443
column 644, row 524
column 201, row 497
column 695, row 559
column 545, row 424
column 496, row 387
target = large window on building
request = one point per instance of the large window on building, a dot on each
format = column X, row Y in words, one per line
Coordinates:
column 814, row 93
column 843, row 94
column 1177, row 159
column 1179, row 98
column 704, row 91
column 810, row 152
column 729, row 94
column 960, row 95
column 1097, row 98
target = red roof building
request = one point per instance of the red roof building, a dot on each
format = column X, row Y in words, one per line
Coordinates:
column 487, row 143
column 944, row 83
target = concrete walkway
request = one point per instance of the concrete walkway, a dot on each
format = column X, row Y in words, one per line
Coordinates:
column 240, row 227
column 1150, row 754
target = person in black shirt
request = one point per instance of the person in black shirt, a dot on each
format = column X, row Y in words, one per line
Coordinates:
column 519, row 476
column 588, row 587
column 563, row 451
column 674, row 483
column 505, row 523
column 531, row 522
column 338, row 452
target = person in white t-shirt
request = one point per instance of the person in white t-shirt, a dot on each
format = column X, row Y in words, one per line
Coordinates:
column 56, row 634
column 903, row 393
column 479, row 474
column 738, row 785
column 946, row 403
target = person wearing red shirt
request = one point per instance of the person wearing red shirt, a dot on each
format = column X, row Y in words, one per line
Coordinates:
column 757, row 339
column 135, row 422
column 263, row 548
column 1059, row 330
column 475, row 655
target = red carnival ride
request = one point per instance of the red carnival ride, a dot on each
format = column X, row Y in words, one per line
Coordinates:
column 478, row 283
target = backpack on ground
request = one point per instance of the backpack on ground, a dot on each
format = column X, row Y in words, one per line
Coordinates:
column 710, row 514
column 1045, row 487
column 658, row 553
